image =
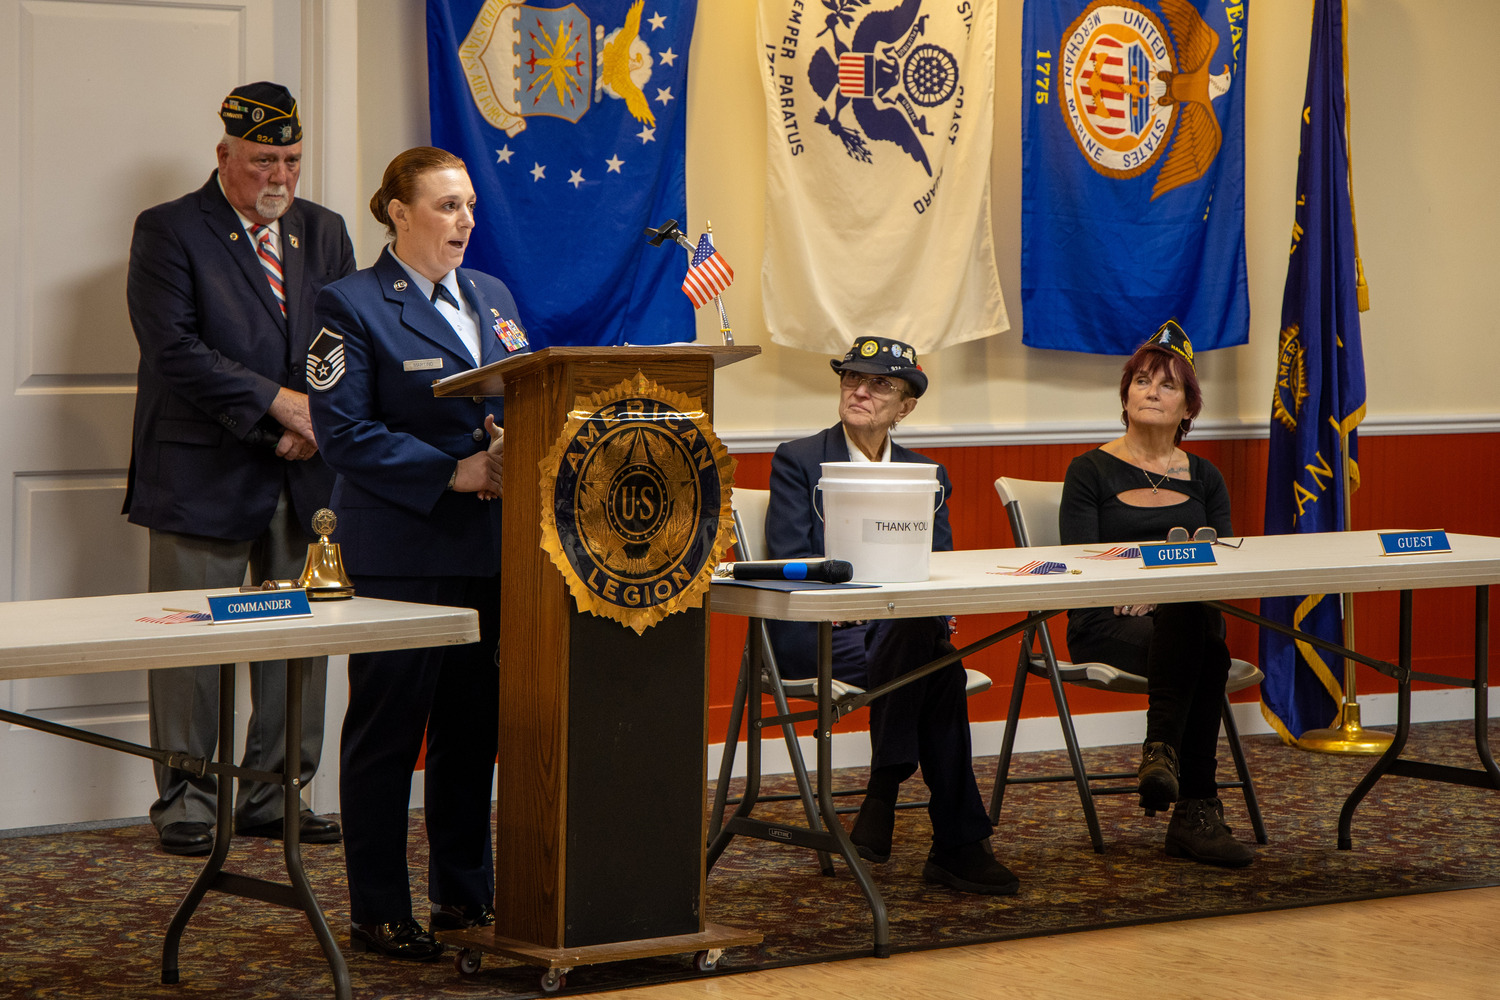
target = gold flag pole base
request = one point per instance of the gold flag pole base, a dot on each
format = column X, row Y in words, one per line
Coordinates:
column 1347, row 737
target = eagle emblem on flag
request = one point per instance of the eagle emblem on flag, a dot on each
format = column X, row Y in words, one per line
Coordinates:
column 522, row 60
column 885, row 76
column 1133, row 89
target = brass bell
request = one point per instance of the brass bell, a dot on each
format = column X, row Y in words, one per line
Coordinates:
column 323, row 575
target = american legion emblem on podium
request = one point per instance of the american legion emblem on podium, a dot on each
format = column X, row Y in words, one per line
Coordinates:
column 635, row 502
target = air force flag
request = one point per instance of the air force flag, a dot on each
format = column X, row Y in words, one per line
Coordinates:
column 880, row 122
column 571, row 119
column 1133, row 172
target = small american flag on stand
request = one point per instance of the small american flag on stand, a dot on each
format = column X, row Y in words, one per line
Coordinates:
column 708, row 274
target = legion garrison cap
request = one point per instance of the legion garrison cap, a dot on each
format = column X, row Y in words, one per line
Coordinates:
column 879, row 356
column 1171, row 337
column 262, row 112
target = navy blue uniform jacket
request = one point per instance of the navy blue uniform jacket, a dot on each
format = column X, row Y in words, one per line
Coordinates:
column 392, row 442
column 794, row 529
column 214, row 352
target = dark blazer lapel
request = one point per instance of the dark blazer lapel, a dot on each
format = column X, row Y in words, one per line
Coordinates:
column 417, row 313
column 225, row 224
column 292, row 270
column 835, row 448
column 491, row 348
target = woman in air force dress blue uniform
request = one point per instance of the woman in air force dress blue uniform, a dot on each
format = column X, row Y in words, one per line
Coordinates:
column 417, row 498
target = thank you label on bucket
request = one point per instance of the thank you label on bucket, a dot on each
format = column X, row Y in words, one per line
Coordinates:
column 256, row 606
column 880, row 531
column 1409, row 543
column 1178, row 554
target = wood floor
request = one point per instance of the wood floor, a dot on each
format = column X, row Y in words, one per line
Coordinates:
column 1442, row 946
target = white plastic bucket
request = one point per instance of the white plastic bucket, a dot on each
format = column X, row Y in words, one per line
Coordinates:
column 878, row 517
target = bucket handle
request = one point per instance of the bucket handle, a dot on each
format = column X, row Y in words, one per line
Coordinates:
column 942, row 499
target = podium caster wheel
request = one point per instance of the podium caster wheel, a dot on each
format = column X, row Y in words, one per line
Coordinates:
column 554, row 980
column 466, row 961
column 707, row 961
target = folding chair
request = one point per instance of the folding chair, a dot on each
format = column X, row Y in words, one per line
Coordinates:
column 750, row 508
column 1033, row 509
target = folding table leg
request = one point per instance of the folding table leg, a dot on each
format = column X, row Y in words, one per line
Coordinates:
column 1398, row 742
column 825, row 793
column 223, row 831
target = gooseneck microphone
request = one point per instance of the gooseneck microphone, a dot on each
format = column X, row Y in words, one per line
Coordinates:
column 818, row 570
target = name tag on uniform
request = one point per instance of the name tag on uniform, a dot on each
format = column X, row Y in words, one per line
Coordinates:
column 1407, row 543
column 253, row 607
column 1178, row 554
column 422, row 365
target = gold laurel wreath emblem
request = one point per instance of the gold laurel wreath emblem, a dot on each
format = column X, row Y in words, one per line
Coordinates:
column 636, row 502
column 1291, row 378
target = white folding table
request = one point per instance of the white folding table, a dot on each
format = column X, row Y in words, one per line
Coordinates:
column 981, row 581
column 100, row 634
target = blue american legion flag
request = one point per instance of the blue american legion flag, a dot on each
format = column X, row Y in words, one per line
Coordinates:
column 571, row 118
column 1320, row 388
column 1133, row 172
column 708, row 273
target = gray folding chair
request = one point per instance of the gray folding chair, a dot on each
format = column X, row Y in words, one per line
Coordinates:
column 1032, row 507
column 750, row 508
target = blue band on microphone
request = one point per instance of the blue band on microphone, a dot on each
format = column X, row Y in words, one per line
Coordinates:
column 795, row 571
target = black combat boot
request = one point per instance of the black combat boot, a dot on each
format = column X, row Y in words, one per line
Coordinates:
column 1198, row 831
column 1157, row 776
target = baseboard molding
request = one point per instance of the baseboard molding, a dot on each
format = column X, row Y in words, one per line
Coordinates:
column 1101, row 729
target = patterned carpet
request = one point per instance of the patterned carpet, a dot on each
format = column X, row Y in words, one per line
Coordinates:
column 82, row 914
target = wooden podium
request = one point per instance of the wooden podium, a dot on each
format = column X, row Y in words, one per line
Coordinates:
column 601, row 824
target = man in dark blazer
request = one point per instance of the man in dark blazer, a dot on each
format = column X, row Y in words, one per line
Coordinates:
column 224, row 469
column 925, row 722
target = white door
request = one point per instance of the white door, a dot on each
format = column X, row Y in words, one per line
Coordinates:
column 106, row 108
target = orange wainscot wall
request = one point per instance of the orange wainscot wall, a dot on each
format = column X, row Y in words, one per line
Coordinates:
column 1410, row 481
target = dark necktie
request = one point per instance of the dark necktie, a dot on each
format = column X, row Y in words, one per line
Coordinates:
column 441, row 292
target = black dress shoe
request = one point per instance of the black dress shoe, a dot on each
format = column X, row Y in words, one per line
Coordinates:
column 873, row 829
column 314, row 829
column 403, row 939
column 970, row 868
column 189, row 840
column 456, row 918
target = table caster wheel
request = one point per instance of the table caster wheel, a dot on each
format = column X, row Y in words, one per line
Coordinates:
column 707, row 961
column 554, row 980
column 466, row 961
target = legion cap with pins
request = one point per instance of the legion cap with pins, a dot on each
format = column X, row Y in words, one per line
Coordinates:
column 1170, row 337
column 262, row 112
column 881, row 356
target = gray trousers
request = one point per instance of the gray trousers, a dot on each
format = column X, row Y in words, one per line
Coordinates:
column 184, row 701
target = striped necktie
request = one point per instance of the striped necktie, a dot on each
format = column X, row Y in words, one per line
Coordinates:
column 265, row 249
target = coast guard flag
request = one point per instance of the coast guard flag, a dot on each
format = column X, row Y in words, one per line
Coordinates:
column 1133, row 172
column 880, row 121
column 1320, row 389
column 571, row 119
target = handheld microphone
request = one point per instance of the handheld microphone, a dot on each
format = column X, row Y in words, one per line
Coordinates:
column 819, row 570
